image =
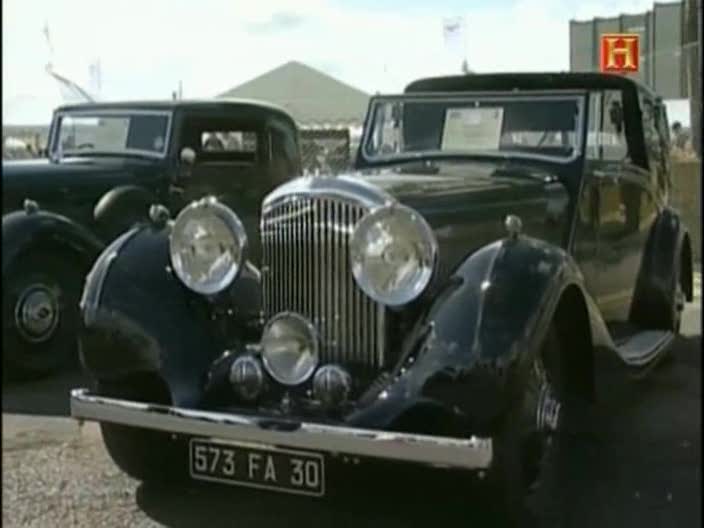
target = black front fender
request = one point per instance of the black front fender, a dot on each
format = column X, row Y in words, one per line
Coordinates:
column 22, row 231
column 474, row 347
column 138, row 317
column 121, row 207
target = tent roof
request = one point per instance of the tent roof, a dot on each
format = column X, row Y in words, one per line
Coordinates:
column 310, row 96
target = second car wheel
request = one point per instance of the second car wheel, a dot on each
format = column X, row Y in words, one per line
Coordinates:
column 41, row 292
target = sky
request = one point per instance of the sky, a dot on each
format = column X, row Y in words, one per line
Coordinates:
column 146, row 47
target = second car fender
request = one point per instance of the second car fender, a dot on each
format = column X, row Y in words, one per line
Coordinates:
column 23, row 230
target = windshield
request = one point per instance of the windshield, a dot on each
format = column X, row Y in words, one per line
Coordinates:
column 414, row 126
column 143, row 133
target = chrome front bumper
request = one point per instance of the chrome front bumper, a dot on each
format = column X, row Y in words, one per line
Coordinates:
column 472, row 453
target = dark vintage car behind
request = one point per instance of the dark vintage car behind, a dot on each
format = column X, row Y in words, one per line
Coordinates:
column 107, row 164
column 443, row 306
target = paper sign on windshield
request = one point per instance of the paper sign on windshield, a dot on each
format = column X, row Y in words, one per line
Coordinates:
column 472, row 128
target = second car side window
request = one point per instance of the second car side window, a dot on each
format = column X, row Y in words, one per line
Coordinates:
column 228, row 141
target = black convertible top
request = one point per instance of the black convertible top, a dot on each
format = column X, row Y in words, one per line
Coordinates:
column 507, row 82
column 527, row 81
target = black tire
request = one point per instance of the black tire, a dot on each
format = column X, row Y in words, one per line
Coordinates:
column 144, row 454
column 41, row 293
column 525, row 450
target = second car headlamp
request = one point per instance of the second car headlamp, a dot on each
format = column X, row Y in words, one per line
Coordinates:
column 393, row 252
column 207, row 245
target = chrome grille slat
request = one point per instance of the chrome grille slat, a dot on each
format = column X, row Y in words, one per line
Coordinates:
column 306, row 257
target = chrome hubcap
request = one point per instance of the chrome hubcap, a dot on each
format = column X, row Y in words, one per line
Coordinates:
column 37, row 313
column 679, row 298
column 549, row 406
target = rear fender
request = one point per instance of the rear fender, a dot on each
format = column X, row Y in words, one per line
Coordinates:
column 667, row 258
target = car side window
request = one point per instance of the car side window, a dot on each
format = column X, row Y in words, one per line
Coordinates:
column 656, row 141
column 221, row 140
column 283, row 156
column 606, row 136
column 650, row 130
column 228, row 141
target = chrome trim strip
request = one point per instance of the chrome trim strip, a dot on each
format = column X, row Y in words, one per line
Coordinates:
column 93, row 286
column 470, row 453
column 343, row 187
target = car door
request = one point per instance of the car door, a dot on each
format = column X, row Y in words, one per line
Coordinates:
column 584, row 247
column 626, row 212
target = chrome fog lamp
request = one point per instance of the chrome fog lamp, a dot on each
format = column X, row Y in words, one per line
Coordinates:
column 207, row 245
column 289, row 348
column 331, row 385
column 247, row 377
column 393, row 252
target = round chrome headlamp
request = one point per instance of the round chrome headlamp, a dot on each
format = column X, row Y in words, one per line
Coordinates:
column 207, row 245
column 332, row 385
column 393, row 252
column 246, row 377
column 289, row 348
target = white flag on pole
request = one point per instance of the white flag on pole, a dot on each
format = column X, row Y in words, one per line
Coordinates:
column 95, row 78
column 454, row 36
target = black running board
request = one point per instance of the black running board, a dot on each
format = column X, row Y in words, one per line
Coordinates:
column 644, row 349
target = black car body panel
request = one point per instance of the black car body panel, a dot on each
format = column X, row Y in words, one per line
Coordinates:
column 22, row 231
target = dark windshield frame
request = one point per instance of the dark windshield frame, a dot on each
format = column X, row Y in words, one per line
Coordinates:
column 56, row 153
column 366, row 161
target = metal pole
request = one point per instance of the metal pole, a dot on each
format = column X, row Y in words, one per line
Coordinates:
column 698, row 108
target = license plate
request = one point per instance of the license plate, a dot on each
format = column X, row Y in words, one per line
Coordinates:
column 267, row 468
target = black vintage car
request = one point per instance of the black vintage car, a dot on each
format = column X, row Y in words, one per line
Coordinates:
column 443, row 306
column 107, row 164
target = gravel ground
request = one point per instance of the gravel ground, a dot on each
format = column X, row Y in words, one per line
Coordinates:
column 643, row 468
column 57, row 477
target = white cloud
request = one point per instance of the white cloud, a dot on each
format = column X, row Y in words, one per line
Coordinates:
column 146, row 47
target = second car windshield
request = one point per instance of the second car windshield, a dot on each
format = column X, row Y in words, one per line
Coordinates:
column 411, row 126
column 117, row 133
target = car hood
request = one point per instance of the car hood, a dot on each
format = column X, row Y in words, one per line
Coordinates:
column 24, row 171
column 466, row 204
column 27, row 178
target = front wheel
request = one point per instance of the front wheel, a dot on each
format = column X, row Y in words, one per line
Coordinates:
column 525, row 444
column 40, row 313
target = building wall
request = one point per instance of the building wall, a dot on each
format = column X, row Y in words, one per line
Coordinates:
column 686, row 198
column 660, row 30
column 692, row 42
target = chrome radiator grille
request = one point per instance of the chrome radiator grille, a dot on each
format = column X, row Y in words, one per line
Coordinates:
column 305, row 269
